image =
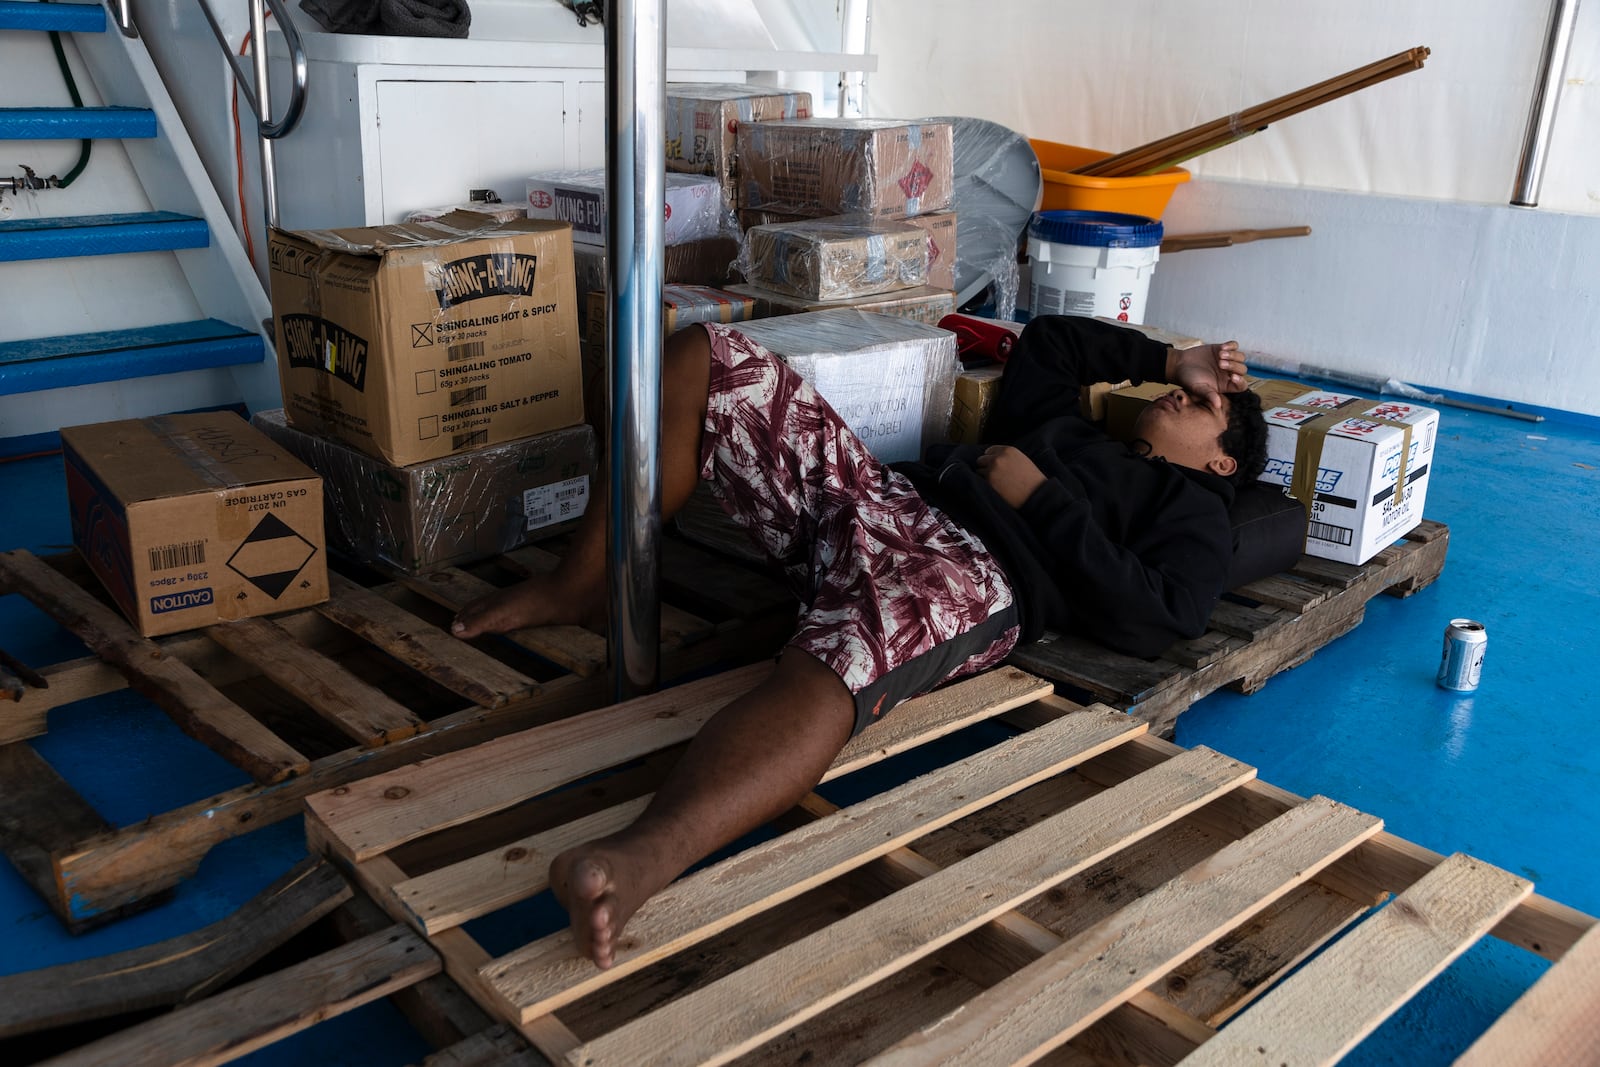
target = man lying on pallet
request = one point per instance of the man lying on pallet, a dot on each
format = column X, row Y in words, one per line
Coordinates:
column 910, row 577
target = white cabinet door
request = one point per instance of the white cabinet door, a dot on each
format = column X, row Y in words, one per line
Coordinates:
column 437, row 140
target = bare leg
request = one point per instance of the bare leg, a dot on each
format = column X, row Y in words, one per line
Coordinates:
column 576, row 592
column 754, row 760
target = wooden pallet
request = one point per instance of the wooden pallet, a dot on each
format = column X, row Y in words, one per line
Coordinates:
column 312, row 699
column 1081, row 890
column 1255, row 632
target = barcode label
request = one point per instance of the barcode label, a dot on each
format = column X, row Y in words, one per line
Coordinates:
column 184, row 554
column 470, row 395
column 469, row 440
column 559, row 502
column 469, row 350
column 1325, row 531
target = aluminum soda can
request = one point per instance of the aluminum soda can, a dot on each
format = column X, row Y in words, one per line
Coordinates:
column 1462, row 663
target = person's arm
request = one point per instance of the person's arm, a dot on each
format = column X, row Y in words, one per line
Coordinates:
column 1057, row 354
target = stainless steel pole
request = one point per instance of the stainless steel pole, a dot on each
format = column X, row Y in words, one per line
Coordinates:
column 269, row 168
column 1546, row 92
column 636, row 63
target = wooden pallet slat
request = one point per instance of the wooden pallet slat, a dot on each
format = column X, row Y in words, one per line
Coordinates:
column 254, row 1015
column 731, row 1016
column 40, row 814
column 193, row 704
column 1553, row 1023
column 1330, row 1004
column 1051, row 1000
column 678, row 627
column 359, row 711
column 174, row 971
column 426, row 649
column 548, row 973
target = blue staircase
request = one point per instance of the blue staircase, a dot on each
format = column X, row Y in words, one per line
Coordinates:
column 122, row 360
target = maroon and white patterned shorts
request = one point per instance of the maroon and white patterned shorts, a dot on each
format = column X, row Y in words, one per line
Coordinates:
column 897, row 598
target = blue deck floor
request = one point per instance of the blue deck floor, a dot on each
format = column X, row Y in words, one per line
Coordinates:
column 1507, row 774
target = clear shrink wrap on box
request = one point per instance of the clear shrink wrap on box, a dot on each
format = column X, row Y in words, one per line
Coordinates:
column 834, row 259
column 891, row 379
column 703, row 121
column 695, row 208
column 940, row 226
column 819, row 167
column 706, row 262
column 448, row 511
column 924, row 303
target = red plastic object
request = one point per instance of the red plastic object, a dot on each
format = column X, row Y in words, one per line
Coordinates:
column 979, row 338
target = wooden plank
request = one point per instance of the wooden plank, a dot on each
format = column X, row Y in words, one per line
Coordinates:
column 1237, row 620
column 201, row 711
column 1204, row 650
column 426, row 649
column 1553, row 1023
column 1386, row 864
column 254, row 1015
column 374, row 815
column 359, row 711
column 695, row 576
column 1061, row 994
column 571, row 647
column 16, row 677
column 1331, row 572
column 475, row 886
column 1324, row 1009
column 548, row 973
column 40, row 816
column 678, row 627
column 1286, row 591
column 371, row 816
column 498, row 1046
column 176, row 970
column 729, row 1017
column 1107, row 675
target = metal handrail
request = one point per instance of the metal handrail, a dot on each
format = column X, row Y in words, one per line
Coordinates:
column 253, row 93
column 122, row 15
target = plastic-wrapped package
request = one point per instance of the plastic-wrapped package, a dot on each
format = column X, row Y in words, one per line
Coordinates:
column 924, row 303
column 832, row 259
column 446, row 511
column 940, row 226
column 819, row 167
column 891, row 379
column 496, row 210
column 695, row 208
column 703, row 121
column 692, row 263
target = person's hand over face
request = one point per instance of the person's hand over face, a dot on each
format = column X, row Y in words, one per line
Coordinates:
column 1207, row 371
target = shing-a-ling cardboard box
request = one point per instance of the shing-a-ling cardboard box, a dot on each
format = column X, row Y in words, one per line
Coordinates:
column 194, row 519
column 420, row 340
column 1361, row 466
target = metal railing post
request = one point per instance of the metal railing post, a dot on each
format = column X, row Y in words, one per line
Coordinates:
column 1542, row 112
column 636, row 60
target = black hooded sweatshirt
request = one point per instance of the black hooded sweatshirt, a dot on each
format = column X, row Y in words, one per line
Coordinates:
column 1130, row 551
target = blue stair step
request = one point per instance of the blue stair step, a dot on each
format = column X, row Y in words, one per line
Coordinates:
column 75, row 123
column 68, row 18
column 116, row 355
column 100, row 235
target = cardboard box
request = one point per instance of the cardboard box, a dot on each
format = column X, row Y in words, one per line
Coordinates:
column 828, row 259
column 890, row 379
column 416, row 341
column 1366, row 465
column 694, row 205
column 819, row 167
column 703, row 121
column 691, row 263
column 446, row 511
column 682, row 305
column 940, row 226
column 191, row 520
column 923, row 304
column 976, row 389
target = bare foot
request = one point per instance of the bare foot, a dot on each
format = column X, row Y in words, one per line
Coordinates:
column 541, row 600
column 601, row 888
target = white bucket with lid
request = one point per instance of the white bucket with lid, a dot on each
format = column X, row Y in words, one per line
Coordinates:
column 1091, row 263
